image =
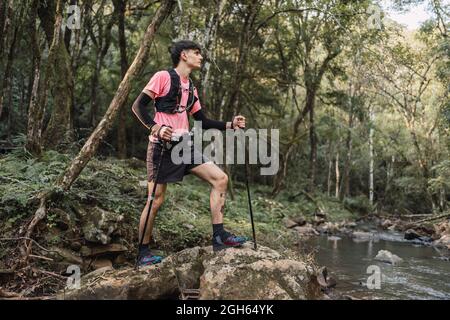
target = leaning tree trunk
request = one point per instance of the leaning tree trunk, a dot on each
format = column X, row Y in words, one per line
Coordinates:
column 71, row 173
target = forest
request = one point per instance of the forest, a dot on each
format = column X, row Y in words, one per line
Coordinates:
column 360, row 101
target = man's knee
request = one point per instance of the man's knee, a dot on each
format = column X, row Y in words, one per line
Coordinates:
column 159, row 196
column 159, row 199
column 221, row 181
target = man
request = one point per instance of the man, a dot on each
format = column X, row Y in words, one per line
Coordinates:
column 175, row 97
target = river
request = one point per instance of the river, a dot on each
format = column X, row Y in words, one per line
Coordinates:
column 423, row 274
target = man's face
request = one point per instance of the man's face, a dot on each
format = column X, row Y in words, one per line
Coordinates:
column 193, row 58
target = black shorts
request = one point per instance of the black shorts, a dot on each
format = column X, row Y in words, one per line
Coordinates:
column 169, row 171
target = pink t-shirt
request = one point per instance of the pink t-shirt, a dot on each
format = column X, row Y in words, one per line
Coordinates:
column 159, row 84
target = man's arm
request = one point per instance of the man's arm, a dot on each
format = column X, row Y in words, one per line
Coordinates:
column 211, row 124
column 140, row 110
column 237, row 122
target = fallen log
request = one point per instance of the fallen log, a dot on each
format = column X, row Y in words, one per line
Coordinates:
column 445, row 215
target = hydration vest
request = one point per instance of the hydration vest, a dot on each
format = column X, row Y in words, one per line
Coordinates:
column 170, row 103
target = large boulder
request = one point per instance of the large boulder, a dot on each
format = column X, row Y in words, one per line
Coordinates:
column 62, row 219
column 328, row 227
column 307, row 230
column 361, row 236
column 98, row 225
column 443, row 242
column 108, row 249
column 385, row 224
column 388, row 257
column 411, row 234
column 288, row 223
column 299, row 220
column 350, row 225
column 442, row 228
column 235, row 273
column 262, row 274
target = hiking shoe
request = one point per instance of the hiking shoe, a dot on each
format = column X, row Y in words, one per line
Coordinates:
column 230, row 241
column 148, row 259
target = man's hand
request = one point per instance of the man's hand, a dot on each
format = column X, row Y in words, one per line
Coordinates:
column 238, row 122
column 164, row 133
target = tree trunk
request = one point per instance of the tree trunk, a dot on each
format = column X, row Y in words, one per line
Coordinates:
column 68, row 31
column 282, row 173
column 442, row 200
column 389, row 176
column 103, row 43
column 233, row 105
column 312, row 81
column 35, row 110
column 23, row 92
column 120, row 6
column 181, row 20
column 59, row 130
column 281, row 176
column 6, row 15
column 330, row 167
column 337, row 174
column 348, row 160
column 421, row 160
column 72, row 172
column 371, row 155
column 244, row 47
column 94, row 84
column 5, row 88
column 76, row 52
column 210, row 36
column 310, row 101
column 3, row 9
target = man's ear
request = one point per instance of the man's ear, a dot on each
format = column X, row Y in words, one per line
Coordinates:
column 185, row 55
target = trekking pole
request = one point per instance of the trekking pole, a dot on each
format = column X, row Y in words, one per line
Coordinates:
column 249, row 200
column 152, row 197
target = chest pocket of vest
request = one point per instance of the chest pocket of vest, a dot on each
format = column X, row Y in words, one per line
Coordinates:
column 171, row 103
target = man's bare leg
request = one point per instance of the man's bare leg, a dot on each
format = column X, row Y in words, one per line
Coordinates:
column 159, row 199
column 218, row 180
column 219, row 183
